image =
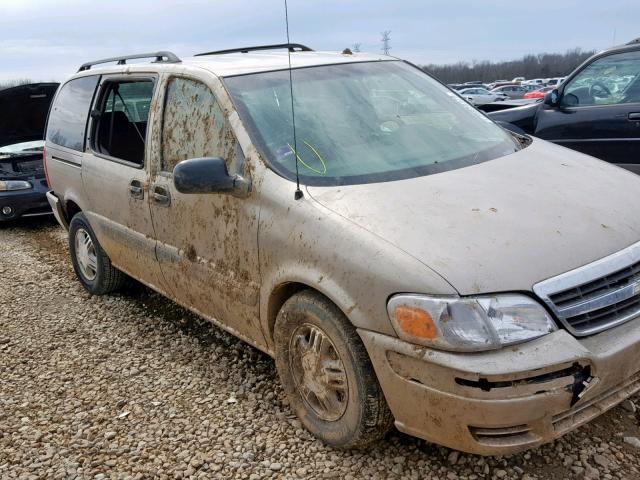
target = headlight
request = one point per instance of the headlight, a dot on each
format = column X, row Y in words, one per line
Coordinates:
column 468, row 324
column 9, row 185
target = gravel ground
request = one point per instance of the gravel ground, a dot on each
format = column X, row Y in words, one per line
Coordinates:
column 133, row 386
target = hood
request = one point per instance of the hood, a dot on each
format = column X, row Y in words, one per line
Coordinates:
column 505, row 224
column 23, row 112
column 523, row 117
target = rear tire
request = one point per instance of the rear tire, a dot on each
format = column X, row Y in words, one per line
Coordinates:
column 326, row 373
column 91, row 264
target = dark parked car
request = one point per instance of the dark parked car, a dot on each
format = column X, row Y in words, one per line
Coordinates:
column 23, row 114
column 596, row 110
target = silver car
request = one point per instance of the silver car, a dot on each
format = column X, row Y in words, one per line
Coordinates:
column 511, row 91
column 481, row 96
column 431, row 270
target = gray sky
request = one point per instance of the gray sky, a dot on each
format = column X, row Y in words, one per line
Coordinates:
column 48, row 39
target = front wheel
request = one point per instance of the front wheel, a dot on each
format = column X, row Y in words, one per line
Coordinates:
column 90, row 262
column 327, row 374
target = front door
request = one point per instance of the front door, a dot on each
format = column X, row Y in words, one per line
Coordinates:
column 599, row 111
column 115, row 176
column 207, row 243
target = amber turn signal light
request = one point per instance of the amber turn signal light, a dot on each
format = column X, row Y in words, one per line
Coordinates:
column 415, row 322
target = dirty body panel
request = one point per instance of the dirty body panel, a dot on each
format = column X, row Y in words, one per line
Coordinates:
column 207, row 244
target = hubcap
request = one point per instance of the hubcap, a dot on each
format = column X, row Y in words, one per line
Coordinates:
column 318, row 372
column 86, row 254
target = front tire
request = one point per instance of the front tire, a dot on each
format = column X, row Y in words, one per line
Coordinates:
column 327, row 374
column 90, row 262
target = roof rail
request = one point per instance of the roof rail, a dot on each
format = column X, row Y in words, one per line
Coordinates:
column 635, row 40
column 159, row 58
column 292, row 47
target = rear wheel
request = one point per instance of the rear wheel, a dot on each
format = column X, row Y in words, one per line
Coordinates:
column 327, row 374
column 91, row 264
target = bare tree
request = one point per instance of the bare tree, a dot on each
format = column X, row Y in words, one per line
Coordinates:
column 542, row 65
column 14, row 83
column 386, row 41
column 356, row 47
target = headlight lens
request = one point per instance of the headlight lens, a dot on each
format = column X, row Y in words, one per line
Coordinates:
column 10, row 185
column 468, row 324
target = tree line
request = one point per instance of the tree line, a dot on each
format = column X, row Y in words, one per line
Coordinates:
column 542, row 65
column 14, row 83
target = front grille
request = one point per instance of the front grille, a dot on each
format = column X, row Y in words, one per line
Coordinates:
column 597, row 287
column 597, row 296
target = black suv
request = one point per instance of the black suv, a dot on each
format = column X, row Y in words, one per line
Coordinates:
column 596, row 110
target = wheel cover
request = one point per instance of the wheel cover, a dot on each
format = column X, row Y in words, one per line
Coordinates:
column 86, row 254
column 318, row 372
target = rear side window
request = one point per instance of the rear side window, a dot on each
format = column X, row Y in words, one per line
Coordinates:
column 122, row 121
column 68, row 119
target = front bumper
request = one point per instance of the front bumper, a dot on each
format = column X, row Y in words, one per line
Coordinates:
column 505, row 401
column 25, row 203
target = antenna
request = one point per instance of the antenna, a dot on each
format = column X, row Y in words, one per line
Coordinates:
column 298, row 195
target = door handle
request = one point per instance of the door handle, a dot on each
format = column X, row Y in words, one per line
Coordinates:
column 634, row 117
column 136, row 189
column 161, row 195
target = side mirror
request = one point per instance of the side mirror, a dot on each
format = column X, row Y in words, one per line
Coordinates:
column 208, row 175
column 552, row 98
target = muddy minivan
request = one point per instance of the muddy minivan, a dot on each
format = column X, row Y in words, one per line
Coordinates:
column 476, row 288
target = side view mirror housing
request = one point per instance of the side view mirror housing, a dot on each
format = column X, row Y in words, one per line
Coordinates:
column 208, row 175
column 552, row 98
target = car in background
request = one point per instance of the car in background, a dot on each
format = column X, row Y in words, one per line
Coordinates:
column 535, row 81
column 474, row 85
column 518, row 80
column 499, row 83
column 596, row 110
column 530, row 87
column 512, row 91
column 538, row 93
column 23, row 115
column 554, row 82
column 481, row 96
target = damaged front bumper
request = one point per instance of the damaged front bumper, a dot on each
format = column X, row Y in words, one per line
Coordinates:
column 505, row 401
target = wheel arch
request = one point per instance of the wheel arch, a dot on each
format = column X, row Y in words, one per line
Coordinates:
column 282, row 292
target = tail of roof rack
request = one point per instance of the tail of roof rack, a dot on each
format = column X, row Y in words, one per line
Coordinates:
column 159, row 58
column 292, row 47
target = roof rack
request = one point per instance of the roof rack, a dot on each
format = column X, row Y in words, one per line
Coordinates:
column 292, row 47
column 159, row 58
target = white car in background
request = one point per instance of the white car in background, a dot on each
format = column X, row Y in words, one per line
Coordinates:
column 481, row 96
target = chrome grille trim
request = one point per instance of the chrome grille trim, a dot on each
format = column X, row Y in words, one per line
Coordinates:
column 597, row 296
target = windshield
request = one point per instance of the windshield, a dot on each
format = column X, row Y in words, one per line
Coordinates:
column 363, row 123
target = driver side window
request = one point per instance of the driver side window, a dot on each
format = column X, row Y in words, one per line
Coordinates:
column 195, row 126
column 611, row 80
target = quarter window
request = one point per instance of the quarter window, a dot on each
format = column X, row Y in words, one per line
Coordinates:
column 68, row 118
column 122, row 123
column 194, row 126
column 610, row 80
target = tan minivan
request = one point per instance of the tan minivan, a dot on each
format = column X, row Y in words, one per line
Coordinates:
column 479, row 288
